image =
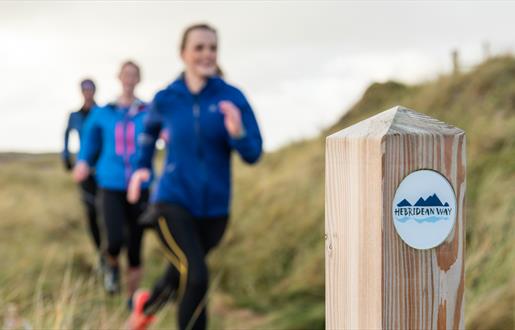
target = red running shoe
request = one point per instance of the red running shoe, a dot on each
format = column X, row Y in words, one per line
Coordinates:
column 139, row 320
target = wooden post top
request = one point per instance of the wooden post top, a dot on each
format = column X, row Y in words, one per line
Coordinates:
column 384, row 272
column 397, row 121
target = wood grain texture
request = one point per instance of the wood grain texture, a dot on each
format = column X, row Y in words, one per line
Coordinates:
column 373, row 279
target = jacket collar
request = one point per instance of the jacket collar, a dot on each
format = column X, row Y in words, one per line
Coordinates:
column 136, row 106
column 84, row 110
column 179, row 85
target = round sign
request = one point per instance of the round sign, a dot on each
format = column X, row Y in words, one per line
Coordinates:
column 424, row 209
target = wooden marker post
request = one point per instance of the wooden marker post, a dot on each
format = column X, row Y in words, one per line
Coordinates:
column 376, row 278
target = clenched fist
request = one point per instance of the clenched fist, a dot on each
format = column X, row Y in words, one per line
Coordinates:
column 81, row 171
column 232, row 119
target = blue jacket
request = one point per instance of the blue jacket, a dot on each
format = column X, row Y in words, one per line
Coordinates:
column 75, row 123
column 197, row 169
column 112, row 132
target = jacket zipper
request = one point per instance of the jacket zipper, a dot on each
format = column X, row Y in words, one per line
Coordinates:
column 200, row 152
column 125, row 151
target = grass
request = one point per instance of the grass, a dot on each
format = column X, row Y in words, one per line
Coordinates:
column 274, row 254
column 270, row 267
column 47, row 262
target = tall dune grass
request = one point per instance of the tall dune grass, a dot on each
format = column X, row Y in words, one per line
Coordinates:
column 47, row 262
column 271, row 262
column 274, row 254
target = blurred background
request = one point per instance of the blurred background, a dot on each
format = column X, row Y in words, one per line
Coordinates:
column 309, row 69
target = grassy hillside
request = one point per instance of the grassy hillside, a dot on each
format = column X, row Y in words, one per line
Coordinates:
column 46, row 259
column 269, row 272
column 273, row 258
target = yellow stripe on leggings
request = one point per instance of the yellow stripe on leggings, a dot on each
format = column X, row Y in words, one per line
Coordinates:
column 183, row 261
column 170, row 256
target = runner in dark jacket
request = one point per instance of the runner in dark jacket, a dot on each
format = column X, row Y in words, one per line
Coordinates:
column 88, row 187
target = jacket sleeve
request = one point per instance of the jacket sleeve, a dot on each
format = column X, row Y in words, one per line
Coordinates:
column 91, row 143
column 250, row 145
column 67, row 131
column 147, row 139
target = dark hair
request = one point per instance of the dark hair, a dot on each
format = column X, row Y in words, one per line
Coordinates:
column 87, row 83
column 200, row 26
column 133, row 64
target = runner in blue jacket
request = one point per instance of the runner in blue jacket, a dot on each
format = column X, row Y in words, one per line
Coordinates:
column 111, row 131
column 206, row 120
column 197, row 172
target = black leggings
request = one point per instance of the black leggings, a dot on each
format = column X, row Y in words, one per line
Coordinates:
column 121, row 222
column 88, row 192
column 186, row 242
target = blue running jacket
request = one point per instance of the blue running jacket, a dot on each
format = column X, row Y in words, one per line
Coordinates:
column 197, row 168
column 111, row 132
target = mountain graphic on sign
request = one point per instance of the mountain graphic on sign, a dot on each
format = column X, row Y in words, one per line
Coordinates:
column 432, row 200
column 404, row 202
column 420, row 202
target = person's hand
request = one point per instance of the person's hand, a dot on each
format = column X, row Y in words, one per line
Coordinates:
column 81, row 171
column 137, row 178
column 232, row 119
column 68, row 165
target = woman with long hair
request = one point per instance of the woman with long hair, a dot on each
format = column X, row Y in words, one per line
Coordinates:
column 206, row 120
column 111, row 132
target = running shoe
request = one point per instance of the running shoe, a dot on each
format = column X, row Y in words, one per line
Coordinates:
column 101, row 265
column 138, row 319
column 130, row 303
column 112, row 280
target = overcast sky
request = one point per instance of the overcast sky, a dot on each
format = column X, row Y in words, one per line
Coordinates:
column 301, row 64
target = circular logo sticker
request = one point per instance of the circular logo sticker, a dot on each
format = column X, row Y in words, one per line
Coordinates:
column 424, row 209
